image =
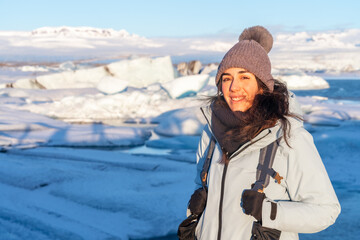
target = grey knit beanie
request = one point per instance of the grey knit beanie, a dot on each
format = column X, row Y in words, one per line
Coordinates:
column 250, row 53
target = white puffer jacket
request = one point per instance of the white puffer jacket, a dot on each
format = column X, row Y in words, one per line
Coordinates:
column 306, row 201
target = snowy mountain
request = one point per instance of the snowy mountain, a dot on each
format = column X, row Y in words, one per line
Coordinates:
column 334, row 40
column 83, row 32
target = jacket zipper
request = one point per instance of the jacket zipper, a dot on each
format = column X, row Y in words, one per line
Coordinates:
column 223, row 184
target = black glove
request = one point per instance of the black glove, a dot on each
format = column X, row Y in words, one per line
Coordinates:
column 251, row 202
column 198, row 201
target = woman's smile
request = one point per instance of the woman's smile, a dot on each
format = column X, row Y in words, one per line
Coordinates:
column 238, row 98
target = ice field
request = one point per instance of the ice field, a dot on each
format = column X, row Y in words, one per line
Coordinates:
column 108, row 151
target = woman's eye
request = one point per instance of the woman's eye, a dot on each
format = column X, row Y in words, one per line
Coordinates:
column 244, row 77
column 226, row 79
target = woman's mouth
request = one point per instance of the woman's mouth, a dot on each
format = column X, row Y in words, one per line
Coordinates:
column 237, row 99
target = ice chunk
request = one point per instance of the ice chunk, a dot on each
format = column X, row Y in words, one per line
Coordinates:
column 210, row 69
column 187, row 121
column 27, row 68
column 69, row 65
column 142, row 72
column 321, row 120
column 298, row 80
column 327, row 117
column 338, row 110
column 83, row 78
column 186, row 86
column 111, row 85
column 295, row 82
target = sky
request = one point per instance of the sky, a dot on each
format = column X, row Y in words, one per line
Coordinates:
column 181, row 18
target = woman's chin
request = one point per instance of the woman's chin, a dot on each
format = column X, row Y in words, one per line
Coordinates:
column 238, row 108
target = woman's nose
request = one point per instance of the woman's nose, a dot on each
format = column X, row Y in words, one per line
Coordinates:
column 235, row 85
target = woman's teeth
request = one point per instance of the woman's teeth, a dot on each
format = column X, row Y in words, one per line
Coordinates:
column 237, row 99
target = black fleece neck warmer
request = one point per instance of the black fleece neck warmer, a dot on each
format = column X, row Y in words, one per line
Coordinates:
column 222, row 121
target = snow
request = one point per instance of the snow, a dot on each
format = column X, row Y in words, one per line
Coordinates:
column 108, row 152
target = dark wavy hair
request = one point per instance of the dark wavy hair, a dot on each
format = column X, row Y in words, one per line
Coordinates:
column 268, row 107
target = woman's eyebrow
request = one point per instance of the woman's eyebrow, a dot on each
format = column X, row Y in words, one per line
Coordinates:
column 241, row 72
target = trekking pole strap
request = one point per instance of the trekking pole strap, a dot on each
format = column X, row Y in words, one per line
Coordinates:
column 264, row 168
column 207, row 162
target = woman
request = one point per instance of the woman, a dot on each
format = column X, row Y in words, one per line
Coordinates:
column 250, row 111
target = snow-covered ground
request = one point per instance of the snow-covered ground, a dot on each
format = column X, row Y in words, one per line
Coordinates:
column 91, row 153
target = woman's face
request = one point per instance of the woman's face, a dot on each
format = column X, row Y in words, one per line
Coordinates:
column 239, row 88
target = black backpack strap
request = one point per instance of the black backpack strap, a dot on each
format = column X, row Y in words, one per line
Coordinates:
column 206, row 166
column 264, row 168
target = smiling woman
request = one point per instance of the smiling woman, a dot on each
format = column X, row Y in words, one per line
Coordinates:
column 252, row 113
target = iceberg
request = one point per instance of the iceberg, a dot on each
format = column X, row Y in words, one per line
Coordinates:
column 298, row 80
column 142, row 72
column 111, row 85
column 139, row 73
column 187, row 121
column 186, row 86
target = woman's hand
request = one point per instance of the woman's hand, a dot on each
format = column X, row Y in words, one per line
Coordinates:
column 251, row 202
column 198, row 201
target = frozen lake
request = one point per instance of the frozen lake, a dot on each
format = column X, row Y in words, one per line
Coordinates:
column 105, row 179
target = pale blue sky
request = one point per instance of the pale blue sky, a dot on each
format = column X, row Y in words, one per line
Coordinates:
column 168, row 18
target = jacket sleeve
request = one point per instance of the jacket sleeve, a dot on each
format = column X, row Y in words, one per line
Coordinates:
column 204, row 142
column 203, row 145
column 313, row 204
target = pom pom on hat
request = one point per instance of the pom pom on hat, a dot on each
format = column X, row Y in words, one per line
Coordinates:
column 260, row 35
